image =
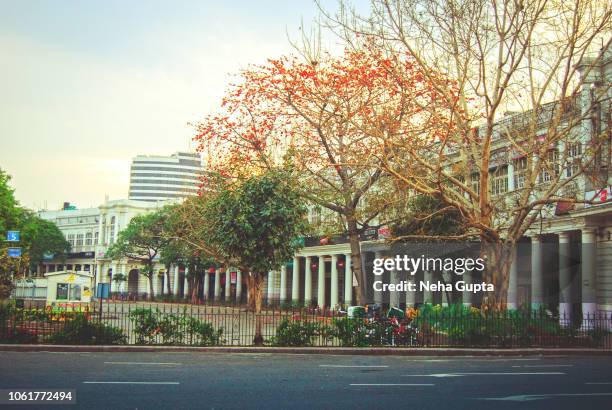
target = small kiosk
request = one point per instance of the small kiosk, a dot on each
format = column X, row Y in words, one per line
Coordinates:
column 69, row 291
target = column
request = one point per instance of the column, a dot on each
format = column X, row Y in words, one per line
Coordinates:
column 228, row 284
column 175, row 284
column 217, row 292
column 283, row 284
column 394, row 296
column 186, row 288
column 113, row 284
column 468, row 297
column 537, row 279
column 270, row 286
column 428, row 294
column 378, row 294
column 321, row 283
column 348, row 280
column 334, row 282
column 206, row 283
column 238, row 286
column 410, row 296
column 589, row 276
column 155, row 278
column 295, row 282
column 308, row 281
column 565, row 280
column 512, row 300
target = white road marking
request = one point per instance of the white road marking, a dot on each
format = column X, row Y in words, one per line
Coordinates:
column 392, row 384
column 547, row 365
column 532, row 397
column 599, row 383
column 484, row 374
column 349, row 366
column 472, row 359
column 172, row 383
column 145, row 363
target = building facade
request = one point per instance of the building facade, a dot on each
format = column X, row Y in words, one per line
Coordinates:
column 159, row 178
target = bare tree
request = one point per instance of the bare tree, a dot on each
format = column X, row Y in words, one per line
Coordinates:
column 523, row 94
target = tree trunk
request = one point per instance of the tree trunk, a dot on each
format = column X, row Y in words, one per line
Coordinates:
column 498, row 257
column 151, row 294
column 257, row 299
column 168, row 287
column 360, row 291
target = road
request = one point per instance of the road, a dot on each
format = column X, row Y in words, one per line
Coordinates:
column 279, row 381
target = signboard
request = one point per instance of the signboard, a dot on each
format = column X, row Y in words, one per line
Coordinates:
column 384, row 232
column 598, row 196
column 12, row 236
column 369, row 234
column 14, row 252
column 103, row 291
column 233, row 277
column 48, row 256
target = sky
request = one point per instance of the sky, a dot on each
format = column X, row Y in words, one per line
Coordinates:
column 85, row 86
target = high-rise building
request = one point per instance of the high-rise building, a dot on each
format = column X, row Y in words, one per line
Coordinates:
column 159, row 178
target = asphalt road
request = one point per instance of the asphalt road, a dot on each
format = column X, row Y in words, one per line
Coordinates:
column 278, row 381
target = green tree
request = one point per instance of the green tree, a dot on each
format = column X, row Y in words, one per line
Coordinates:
column 40, row 237
column 256, row 225
column 9, row 219
column 9, row 207
column 142, row 240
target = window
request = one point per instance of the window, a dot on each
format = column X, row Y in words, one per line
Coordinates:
column 70, row 239
column 499, row 180
column 79, row 239
column 316, row 216
column 88, row 238
column 574, row 152
column 475, row 179
column 75, row 292
column 96, row 238
column 550, row 167
column 520, row 172
column 62, row 291
column 112, row 230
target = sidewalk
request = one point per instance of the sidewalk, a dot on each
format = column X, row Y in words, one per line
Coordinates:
column 363, row 351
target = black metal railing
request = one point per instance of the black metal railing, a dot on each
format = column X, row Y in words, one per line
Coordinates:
column 157, row 323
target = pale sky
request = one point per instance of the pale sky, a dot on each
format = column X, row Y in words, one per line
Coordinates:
column 87, row 85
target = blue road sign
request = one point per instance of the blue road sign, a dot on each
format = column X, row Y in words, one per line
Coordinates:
column 12, row 236
column 14, row 252
column 103, row 291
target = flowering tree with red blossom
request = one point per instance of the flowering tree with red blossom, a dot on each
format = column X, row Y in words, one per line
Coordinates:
column 324, row 120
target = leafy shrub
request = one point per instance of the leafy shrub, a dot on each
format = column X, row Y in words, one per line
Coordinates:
column 359, row 332
column 152, row 325
column 79, row 330
column 201, row 333
column 299, row 333
column 146, row 326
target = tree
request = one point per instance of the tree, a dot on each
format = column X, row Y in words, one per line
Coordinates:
column 9, row 207
column 40, row 237
column 256, row 224
column 520, row 93
column 142, row 240
column 320, row 118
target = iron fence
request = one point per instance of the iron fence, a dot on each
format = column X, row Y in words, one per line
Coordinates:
column 204, row 325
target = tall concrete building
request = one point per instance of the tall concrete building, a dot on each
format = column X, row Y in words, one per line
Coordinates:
column 159, row 178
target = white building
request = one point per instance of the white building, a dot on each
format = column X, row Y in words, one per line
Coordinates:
column 91, row 232
column 158, row 178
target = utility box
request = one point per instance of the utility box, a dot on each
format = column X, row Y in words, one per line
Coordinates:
column 69, row 291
